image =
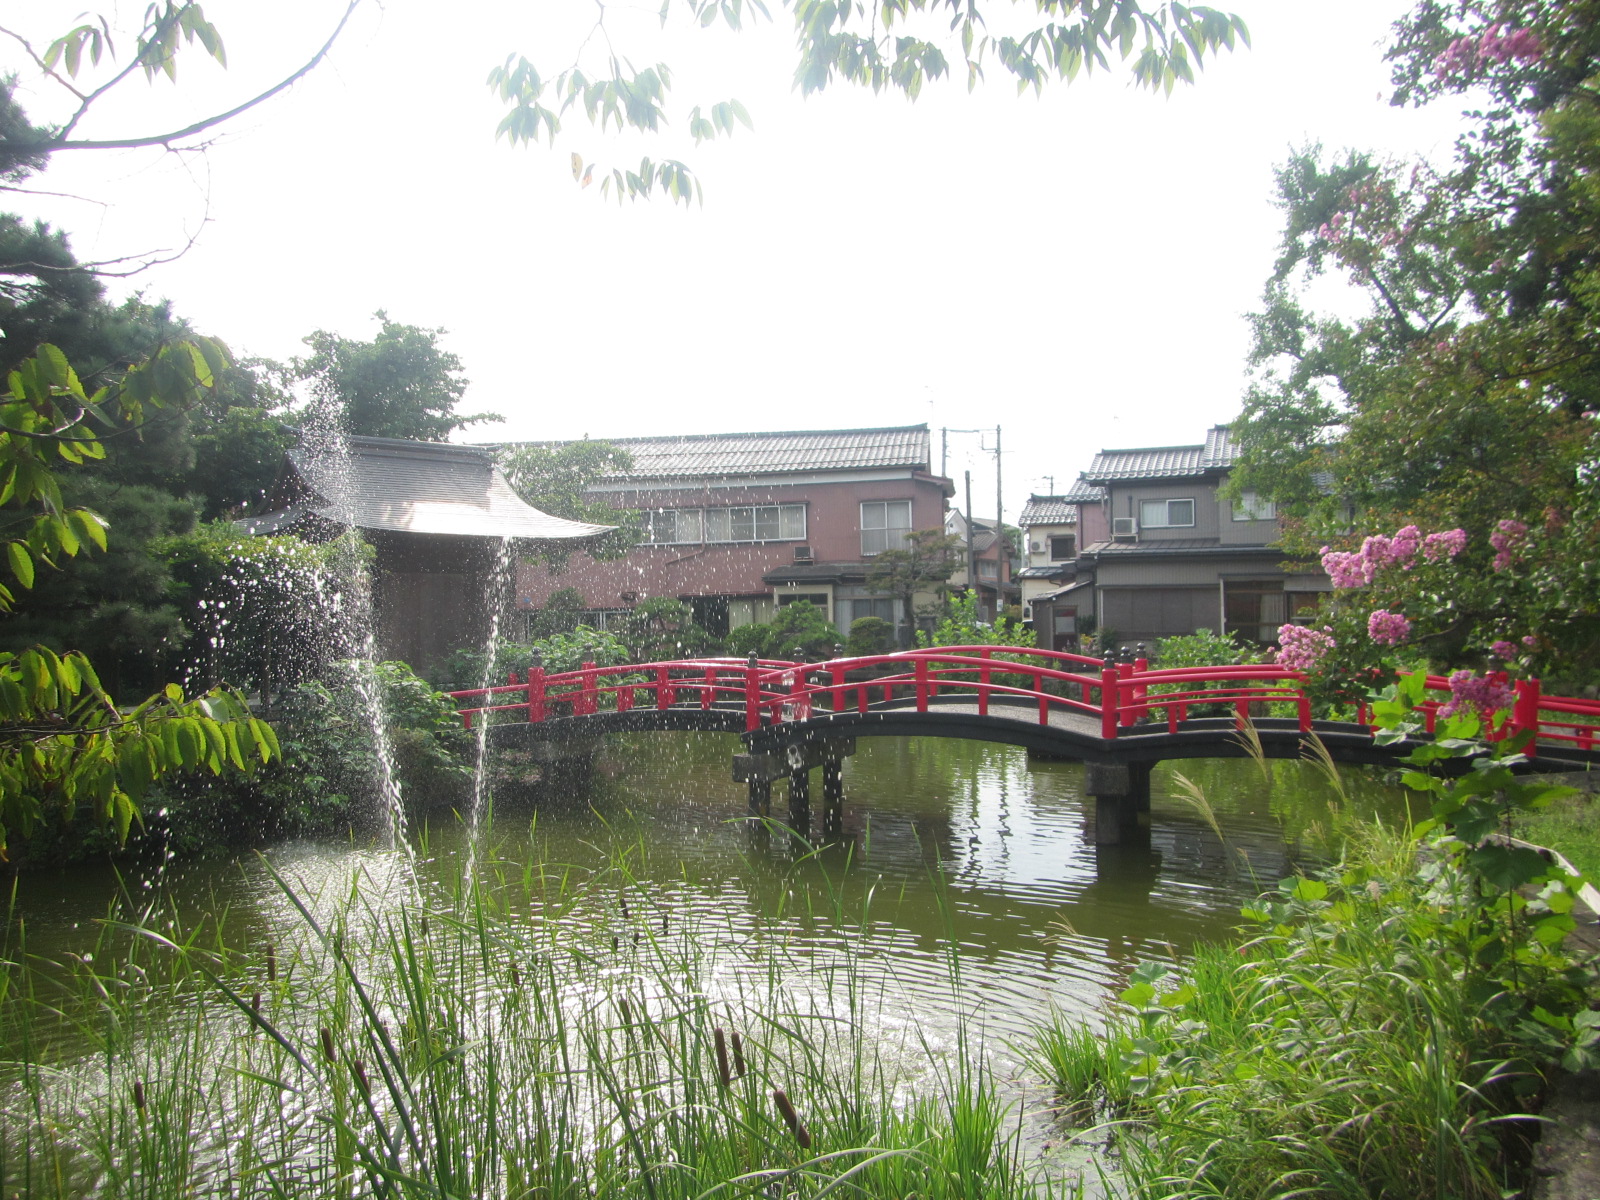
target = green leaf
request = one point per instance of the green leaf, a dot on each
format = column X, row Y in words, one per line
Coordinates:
column 21, row 563
column 1506, row 867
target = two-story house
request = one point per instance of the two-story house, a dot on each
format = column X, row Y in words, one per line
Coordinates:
column 991, row 562
column 1178, row 558
column 738, row 524
column 1054, row 595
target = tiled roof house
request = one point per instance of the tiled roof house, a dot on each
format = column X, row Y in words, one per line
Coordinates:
column 737, row 524
column 1176, row 558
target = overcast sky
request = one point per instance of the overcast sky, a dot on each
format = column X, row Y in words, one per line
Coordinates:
column 1075, row 268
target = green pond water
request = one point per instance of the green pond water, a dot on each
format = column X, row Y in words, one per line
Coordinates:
column 966, row 887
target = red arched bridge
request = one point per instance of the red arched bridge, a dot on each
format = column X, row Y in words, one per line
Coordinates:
column 1118, row 718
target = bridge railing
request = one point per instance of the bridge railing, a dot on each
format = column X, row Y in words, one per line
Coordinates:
column 1119, row 696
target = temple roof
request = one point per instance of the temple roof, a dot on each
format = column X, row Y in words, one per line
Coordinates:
column 413, row 487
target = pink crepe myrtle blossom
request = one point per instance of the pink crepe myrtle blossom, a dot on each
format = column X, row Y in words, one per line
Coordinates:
column 1467, row 56
column 1506, row 539
column 1387, row 628
column 1446, row 544
column 1301, row 648
column 1345, row 569
column 1503, row 649
column 1529, row 641
column 1483, row 694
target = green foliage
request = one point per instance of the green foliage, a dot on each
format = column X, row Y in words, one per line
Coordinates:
column 556, row 479
column 868, row 636
column 800, row 625
column 925, row 563
column 1465, row 395
column 898, row 44
column 401, row 384
column 326, row 781
column 65, row 746
column 664, row 628
column 960, row 626
column 560, row 614
column 1202, row 648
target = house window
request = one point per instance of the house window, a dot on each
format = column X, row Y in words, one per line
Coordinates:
column 1063, row 547
column 1251, row 507
column 818, row 600
column 1254, row 609
column 1166, row 514
column 988, row 569
column 884, row 525
column 671, row 526
column 756, row 523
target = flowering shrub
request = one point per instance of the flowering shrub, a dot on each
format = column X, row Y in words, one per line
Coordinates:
column 1468, row 56
column 1387, row 628
column 1301, row 648
column 1484, row 695
column 1507, row 539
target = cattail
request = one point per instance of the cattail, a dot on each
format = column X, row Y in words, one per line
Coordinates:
column 358, row 1068
column 622, row 899
column 663, row 922
column 738, row 1054
column 722, row 1057
column 327, row 1044
column 272, row 963
column 423, row 925
column 613, row 943
column 627, row 1015
column 255, row 1002
column 138, row 1095
column 516, row 976
column 792, row 1120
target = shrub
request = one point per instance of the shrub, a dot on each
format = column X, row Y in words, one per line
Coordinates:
column 870, row 635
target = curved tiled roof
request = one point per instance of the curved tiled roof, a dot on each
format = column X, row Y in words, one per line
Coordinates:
column 1165, row 462
column 1048, row 510
column 416, row 487
column 720, row 455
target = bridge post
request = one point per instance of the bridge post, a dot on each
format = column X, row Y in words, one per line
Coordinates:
column 832, row 796
column 536, row 711
column 1108, row 697
column 800, row 797
column 1121, row 794
column 760, row 796
column 752, row 695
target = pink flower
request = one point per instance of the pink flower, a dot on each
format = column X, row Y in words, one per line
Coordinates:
column 1301, row 648
column 1446, row 544
column 1503, row 648
column 1387, row 628
column 1506, row 538
column 1483, row 694
column 1530, row 641
column 1347, row 570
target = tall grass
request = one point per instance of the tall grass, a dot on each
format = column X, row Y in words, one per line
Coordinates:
column 1339, row 1052
column 537, row 1033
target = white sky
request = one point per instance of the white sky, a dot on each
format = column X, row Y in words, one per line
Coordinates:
column 1075, row 269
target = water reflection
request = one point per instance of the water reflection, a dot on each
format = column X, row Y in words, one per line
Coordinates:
column 941, row 845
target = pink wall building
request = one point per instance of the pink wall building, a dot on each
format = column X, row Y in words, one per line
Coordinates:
column 738, row 524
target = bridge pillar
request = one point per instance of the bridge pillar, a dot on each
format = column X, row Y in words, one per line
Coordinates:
column 832, row 797
column 760, row 796
column 1121, row 794
column 800, row 798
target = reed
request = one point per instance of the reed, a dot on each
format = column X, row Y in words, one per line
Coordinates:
column 533, row 1032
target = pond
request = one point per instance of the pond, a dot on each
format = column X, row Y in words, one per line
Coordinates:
column 964, row 902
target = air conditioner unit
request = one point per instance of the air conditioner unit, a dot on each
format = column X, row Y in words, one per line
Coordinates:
column 802, row 554
column 1035, row 548
column 1124, row 529
column 1027, row 612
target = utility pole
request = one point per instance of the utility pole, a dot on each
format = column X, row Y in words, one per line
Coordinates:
column 972, row 570
column 999, row 524
column 944, row 453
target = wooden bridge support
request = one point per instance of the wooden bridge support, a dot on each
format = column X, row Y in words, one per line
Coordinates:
column 1121, row 794
column 794, row 763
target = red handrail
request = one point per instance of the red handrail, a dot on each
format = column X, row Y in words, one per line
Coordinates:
column 777, row 691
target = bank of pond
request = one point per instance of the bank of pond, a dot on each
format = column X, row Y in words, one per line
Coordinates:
column 636, row 990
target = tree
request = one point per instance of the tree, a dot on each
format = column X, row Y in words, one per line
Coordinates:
column 898, row 44
column 63, row 740
column 1465, row 397
column 925, row 563
column 401, row 384
column 556, row 479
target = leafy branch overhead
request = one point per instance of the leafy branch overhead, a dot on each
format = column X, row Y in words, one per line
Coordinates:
column 888, row 44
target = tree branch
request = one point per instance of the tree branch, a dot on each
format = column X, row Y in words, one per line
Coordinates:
column 166, row 139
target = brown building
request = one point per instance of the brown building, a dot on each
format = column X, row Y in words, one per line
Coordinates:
column 1178, row 558
column 436, row 516
column 737, row 524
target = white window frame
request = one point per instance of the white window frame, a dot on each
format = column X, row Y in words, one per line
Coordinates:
column 1050, row 546
column 1145, row 507
column 1251, row 507
column 751, row 515
column 878, row 533
column 655, row 520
